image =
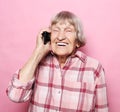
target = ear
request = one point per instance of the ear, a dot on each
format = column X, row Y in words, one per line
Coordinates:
column 77, row 44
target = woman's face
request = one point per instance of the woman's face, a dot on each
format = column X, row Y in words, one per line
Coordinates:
column 63, row 39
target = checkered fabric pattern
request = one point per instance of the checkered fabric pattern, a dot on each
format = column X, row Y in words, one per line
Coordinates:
column 77, row 87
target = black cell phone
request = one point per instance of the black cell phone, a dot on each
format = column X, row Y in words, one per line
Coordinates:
column 46, row 37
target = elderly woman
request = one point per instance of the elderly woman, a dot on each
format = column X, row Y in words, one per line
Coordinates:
column 58, row 76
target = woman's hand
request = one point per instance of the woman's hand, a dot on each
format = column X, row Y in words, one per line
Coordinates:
column 40, row 51
column 44, row 48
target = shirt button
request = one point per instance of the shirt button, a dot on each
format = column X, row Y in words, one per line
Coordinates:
column 59, row 92
column 57, row 110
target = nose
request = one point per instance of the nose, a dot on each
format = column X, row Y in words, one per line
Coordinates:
column 61, row 35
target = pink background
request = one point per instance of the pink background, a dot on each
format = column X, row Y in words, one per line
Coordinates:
column 20, row 21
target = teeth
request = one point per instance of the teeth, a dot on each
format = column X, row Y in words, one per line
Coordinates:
column 61, row 44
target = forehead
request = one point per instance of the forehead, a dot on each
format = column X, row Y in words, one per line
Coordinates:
column 63, row 23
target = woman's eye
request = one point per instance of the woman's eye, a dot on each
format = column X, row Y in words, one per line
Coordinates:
column 69, row 30
column 55, row 30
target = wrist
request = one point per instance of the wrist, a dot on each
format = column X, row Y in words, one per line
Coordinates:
column 39, row 54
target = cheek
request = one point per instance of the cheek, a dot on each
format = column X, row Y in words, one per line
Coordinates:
column 74, row 43
column 53, row 42
column 72, row 39
column 53, row 37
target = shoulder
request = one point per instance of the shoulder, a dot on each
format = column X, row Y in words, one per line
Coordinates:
column 92, row 61
column 89, row 61
column 86, row 58
column 96, row 65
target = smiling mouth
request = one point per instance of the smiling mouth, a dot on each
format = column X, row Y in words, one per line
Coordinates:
column 62, row 44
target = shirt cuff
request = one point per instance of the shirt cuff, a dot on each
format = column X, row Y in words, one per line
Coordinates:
column 21, row 85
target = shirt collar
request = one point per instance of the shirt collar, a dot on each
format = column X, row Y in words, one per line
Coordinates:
column 79, row 54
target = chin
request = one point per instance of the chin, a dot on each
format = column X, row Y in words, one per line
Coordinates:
column 62, row 54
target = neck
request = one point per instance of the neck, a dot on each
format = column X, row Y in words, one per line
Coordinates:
column 62, row 61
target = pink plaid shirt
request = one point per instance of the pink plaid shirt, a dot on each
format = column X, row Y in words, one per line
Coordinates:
column 77, row 87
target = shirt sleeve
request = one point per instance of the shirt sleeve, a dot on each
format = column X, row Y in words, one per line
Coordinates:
column 18, row 91
column 101, row 103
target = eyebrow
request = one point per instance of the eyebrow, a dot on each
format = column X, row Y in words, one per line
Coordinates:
column 68, row 27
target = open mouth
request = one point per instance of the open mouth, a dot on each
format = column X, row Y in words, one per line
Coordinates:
column 62, row 44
